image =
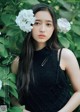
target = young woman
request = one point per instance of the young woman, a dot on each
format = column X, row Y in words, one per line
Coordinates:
column 42, row 68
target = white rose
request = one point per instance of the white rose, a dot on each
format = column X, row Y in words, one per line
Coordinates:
column 63, row 25
column 0, row 84
column 25, row 19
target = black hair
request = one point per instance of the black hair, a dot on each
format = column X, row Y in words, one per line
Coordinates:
column 26, row 56
column 52, row 42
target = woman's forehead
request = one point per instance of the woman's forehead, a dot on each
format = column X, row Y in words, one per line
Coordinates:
column 43, row 15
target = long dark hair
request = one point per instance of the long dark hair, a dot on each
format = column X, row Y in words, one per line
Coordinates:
column 26, row 56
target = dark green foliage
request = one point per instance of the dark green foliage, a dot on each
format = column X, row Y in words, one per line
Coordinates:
column 11, row 38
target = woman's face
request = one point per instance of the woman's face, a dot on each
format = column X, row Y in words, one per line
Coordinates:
column 43, row 27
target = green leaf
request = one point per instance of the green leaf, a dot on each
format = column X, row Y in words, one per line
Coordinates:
column 15, row 109
column 76, row 22
column 77, row 42
column 30, row 1
column 66, row 14
column 77, row 53
column 70, row 39
column 13, row 92
column 10, row 84
column 3, row 51
column 7, row 100
column 65, row 4
column 2, row 93
column 12, row 32
column 3, row 72
column 7, row 60
column 10, row 43
column 1, row 40
column 64, row 42
column 76, row 29
column 12, row 77
column 8, row 19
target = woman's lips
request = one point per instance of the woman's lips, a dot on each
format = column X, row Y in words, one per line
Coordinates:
column 41, row 36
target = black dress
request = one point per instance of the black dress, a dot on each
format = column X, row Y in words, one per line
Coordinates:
column 48, row 89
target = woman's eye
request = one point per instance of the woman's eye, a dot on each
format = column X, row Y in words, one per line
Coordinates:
column 48, row 24
column 37, row 23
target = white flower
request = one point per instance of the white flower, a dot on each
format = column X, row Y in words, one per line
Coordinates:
column 3, row 108
column 0, row 84
column 0, row 33
column 63, row 25
column 25, row 19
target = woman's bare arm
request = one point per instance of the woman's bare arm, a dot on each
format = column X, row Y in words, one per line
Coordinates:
column 14, row 65
column 69, row 61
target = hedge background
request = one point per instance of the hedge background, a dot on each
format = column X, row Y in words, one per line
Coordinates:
column 11, row 38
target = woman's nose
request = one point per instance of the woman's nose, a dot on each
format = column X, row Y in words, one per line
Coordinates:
column 42, row 28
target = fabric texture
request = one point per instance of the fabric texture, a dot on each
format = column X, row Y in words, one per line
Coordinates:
column 48, row 88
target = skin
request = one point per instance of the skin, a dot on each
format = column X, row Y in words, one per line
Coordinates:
column 68, row 60
column 42, row 29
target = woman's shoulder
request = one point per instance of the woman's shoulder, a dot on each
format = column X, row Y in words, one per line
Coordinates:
column 67, row 53
column 67, row 57
column 14, row 65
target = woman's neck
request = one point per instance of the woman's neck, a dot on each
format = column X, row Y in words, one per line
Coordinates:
column 40, row 46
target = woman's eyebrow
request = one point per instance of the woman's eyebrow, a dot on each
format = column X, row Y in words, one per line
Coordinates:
column 49, row 21
column 38, row 19
column 45, row 20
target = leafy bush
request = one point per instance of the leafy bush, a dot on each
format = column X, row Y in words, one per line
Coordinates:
column 11, row 38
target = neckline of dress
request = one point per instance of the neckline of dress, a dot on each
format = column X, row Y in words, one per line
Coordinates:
column 41, row 50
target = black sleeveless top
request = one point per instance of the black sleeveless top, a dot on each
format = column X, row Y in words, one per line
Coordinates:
column 48, row 89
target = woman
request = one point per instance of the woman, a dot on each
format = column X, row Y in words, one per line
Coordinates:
column 42, row 68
